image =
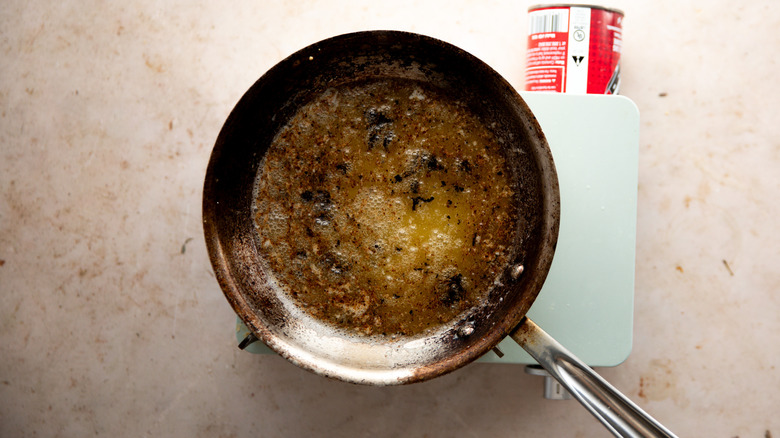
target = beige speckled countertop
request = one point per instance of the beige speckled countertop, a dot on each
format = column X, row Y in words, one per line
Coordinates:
column 111, row 323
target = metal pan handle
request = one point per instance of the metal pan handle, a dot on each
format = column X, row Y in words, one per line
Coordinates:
column 619, row 414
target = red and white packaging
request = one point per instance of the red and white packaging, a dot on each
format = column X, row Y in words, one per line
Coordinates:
column 574, row 49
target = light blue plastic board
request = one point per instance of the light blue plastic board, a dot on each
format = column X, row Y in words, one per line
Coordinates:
column 587, row 302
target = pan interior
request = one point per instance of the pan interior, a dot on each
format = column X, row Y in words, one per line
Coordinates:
column 385, row 208
column 257, row 281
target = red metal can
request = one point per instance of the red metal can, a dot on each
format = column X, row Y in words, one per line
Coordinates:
column 574, row 49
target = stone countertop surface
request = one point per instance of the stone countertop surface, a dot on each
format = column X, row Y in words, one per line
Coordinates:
column 111, row 321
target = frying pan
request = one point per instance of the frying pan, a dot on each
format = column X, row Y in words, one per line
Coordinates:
column 253, row 290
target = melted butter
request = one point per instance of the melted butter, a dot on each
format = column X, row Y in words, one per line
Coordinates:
column 385, row 208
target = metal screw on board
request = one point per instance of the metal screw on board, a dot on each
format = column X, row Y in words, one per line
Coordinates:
column 552, row 389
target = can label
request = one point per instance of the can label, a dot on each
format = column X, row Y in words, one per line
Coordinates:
column 574, row 49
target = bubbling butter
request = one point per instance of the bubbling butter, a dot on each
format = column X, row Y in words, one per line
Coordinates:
column 385, row 208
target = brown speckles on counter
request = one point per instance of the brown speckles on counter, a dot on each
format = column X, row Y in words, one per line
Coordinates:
column 659, row 382
column 154, row 63
column 728, row 268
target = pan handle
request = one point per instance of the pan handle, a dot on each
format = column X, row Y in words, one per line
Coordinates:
column 619, row 414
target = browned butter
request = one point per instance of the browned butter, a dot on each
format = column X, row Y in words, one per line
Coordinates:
column 384, row 208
